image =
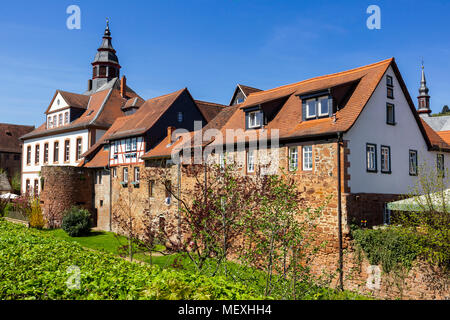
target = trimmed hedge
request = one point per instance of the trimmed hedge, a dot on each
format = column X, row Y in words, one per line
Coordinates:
column 34, row 266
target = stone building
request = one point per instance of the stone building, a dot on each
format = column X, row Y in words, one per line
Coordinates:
column 116, row 158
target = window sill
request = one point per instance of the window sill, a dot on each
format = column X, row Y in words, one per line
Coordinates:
column 372, row 171
column 413, row 174
column 391, row 123
column 386, row 172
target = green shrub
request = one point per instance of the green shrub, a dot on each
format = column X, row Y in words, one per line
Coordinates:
column 33, row 265
column 76, row 222
column 390, row 247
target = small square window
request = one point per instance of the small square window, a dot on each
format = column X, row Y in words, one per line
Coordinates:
column 180, row 116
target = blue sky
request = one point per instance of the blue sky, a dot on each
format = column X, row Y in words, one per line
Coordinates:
column 210, row 46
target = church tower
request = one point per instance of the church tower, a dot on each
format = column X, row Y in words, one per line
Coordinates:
column 424, row 98
column 105, row 66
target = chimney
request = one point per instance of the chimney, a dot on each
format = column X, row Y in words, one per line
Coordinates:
column 123, row 87
column 89, row 84
column 169, row 133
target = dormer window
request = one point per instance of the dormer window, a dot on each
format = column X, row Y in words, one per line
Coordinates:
column 316, row 106
column 254, row 119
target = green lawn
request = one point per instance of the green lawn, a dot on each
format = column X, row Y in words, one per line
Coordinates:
column 109, row 242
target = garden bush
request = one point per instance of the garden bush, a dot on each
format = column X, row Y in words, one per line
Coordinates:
column 76, row 222
column 34, row 265
column 36, row 218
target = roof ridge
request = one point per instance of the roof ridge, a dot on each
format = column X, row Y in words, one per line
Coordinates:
column 211, row 103
column 331, row 75
column 166, row 95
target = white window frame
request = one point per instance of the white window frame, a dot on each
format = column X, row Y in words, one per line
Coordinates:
column 371, row 156
column 127, row 145
column 125, row 174
column 308, row 114
column 319, row 106
column 137, row 174
column 250, row 161
column 293, row 154
column 385, row 159
column 114, row 170
column 134, row 144
column 254, row 116
column 307, row 158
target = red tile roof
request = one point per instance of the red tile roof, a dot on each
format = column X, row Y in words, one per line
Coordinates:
column 102, row 109
column 9, row 137
column 209, row 109
column 248, row 90
column 438, row 139
column 147, row 115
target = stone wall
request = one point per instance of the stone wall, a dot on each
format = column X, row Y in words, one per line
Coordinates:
column 421, row 282
column 102, row 199
column 65, row 187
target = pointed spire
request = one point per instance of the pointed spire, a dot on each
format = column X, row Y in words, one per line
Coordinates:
column 106, row 64
column 107, row 32
column 424, row 98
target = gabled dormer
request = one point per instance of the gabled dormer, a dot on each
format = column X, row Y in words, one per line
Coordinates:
column 64, row 108
column 259, row 115
column 326, row 102
column 241, row 93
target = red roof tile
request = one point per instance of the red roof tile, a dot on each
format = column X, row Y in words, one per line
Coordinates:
column 9, row 137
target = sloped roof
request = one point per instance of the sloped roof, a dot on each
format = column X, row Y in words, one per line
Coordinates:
column 10, row 137
column 209, row 109
column 100, row 159
column 444, row 135
column 147, row 115
column 135, row 102
column 102, row 109
column 74, row 100
column 113, row 129
column 439, row 140
column 247, row 90
column 289, row 118
column 164, row 149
